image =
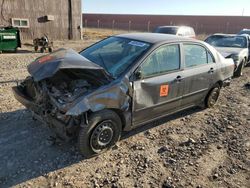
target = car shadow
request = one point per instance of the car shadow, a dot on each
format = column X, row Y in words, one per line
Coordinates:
column 28, row 149
column 161, row 121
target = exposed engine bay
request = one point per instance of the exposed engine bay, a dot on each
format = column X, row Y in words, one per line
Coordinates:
column 54, row 95
column 59, row 90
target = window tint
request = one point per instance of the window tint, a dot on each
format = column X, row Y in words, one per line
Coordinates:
column 164, row 59
column 195, row 55
column 166, row 30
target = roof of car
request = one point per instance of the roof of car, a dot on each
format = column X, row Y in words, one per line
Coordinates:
column 155, row 37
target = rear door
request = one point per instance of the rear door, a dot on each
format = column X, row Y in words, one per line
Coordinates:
column 199, row 70
column 159, row 89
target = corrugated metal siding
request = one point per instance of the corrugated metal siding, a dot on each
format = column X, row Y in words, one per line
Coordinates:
column 33, row 9
column 202, row 24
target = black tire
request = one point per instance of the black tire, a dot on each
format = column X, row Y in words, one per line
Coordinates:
column 102, row 132
column 212, row 96
column 238, row 73
column 248, row 62
column 36, row 48
column 50, row 50
column 42, row 50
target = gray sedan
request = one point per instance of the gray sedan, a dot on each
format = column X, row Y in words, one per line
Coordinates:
column 120, row 83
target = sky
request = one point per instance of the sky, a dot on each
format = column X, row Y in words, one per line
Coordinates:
column 167, row 7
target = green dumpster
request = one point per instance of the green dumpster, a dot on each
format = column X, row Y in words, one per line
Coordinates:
column 9, row 39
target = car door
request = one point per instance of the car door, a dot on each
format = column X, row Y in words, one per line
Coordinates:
column 158, row 89
column 199, row 70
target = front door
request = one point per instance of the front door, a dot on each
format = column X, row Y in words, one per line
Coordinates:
column 159, row 88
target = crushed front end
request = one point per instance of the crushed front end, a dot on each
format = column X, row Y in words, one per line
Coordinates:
column 57, row 83
column 49, row 101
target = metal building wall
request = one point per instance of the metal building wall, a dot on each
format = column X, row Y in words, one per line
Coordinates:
column 202, row 24
column 34, row 9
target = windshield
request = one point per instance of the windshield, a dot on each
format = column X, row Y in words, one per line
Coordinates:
column 227, row 41
column 244, row 32
column 115, row 54
column 167, row 30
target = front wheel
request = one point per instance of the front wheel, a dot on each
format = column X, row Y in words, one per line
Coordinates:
column 212, row 96
column 102, row 132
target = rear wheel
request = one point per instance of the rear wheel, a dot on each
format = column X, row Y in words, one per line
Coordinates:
column 212, row 96
column 42, row 50
column 102, row 132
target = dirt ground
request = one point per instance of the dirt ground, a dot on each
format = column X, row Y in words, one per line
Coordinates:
column 199, row 148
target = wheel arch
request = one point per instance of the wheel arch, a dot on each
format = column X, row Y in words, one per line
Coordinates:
column 119, row 112
column 220, row 83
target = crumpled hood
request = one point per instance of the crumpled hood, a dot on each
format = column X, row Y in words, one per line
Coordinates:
column 47, row 66
column 226, row 51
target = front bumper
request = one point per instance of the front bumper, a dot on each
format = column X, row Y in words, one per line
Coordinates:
column 22, row 98
column 40, row 114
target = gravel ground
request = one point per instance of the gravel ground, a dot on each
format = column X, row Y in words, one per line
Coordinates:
column 195, row 148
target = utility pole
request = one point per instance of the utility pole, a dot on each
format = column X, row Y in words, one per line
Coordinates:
column 70, row 20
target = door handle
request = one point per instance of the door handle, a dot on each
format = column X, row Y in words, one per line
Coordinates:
column 179, row 79
column 211, row 70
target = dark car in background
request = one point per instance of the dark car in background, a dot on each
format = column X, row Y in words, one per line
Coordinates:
column 183, row 31
column 232, row 46
column 120, row 83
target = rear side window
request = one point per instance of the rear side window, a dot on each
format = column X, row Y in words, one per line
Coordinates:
column 164, row 59
column 196, row 55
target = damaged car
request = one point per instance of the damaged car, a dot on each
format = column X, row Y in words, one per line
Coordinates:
column 120, row 83
column 232, row 46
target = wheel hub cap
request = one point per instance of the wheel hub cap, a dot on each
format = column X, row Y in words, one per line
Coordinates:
column 102, row 136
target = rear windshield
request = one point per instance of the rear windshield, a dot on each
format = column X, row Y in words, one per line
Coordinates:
column 167, row 30
column 227, row 41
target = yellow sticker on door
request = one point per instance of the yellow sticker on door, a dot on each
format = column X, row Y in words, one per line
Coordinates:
column 164, row 90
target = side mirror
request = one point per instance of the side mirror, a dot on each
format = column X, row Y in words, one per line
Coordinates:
column 138, row 74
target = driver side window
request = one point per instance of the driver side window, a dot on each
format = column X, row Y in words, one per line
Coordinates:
column 164, row 59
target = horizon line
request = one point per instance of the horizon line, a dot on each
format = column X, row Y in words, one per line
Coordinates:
column 170, row 14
